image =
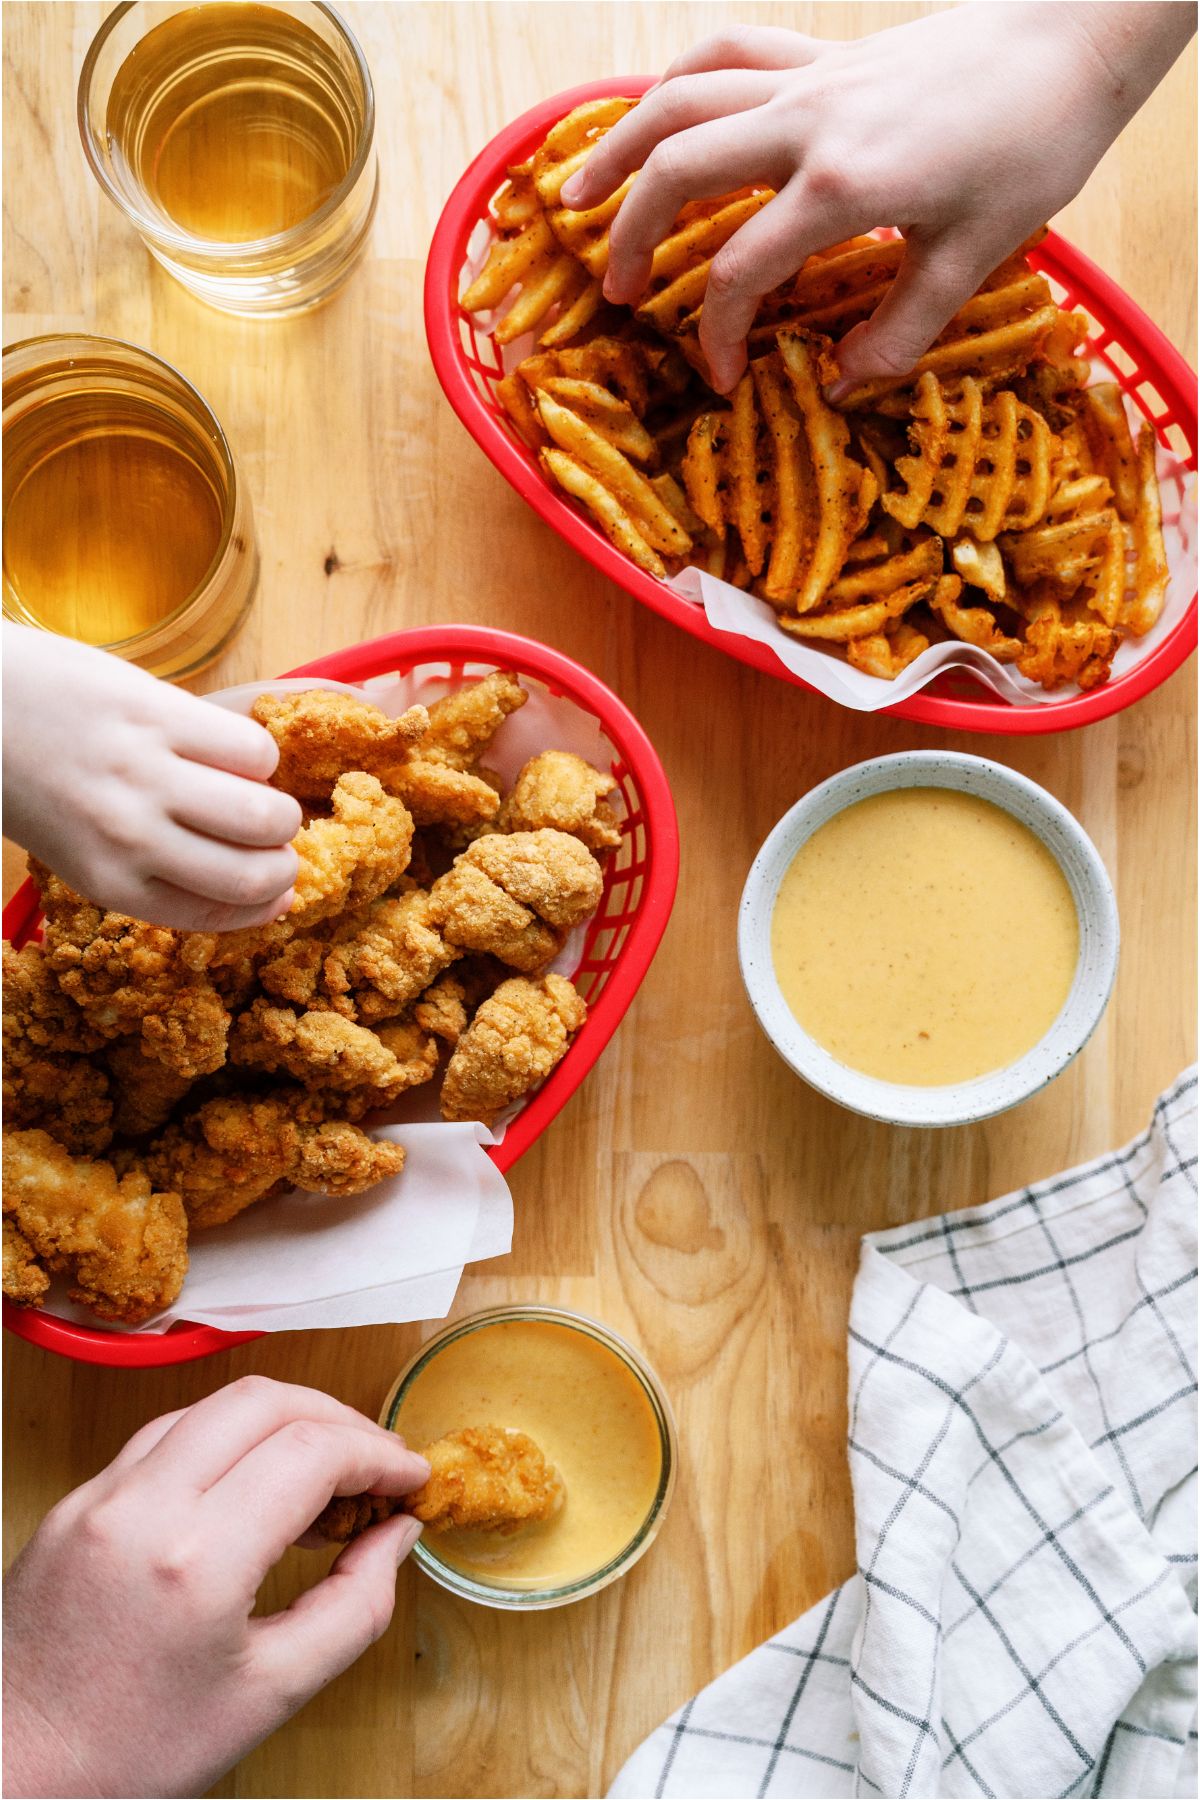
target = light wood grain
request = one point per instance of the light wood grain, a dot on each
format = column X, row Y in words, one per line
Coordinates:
column 693, row 1194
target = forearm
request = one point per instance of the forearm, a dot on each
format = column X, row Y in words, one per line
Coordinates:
column 1129, row 47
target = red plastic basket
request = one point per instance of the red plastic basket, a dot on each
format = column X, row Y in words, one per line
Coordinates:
column 639, row 890
column 1149, row 369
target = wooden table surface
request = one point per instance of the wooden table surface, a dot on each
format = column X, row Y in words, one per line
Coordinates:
column 693, row 1194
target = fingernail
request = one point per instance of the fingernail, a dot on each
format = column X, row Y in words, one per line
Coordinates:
column 836, row 392
column 571, row 192
column 423, row 1465
column 407, row 1537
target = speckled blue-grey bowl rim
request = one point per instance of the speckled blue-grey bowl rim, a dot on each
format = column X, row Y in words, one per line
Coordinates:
column 960, row 1103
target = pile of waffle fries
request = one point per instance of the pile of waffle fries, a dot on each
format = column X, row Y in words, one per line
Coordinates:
column 989, row 495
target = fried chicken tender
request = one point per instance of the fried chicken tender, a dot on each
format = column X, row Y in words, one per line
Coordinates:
column 489, row 1477
column 320, row 735
column 325, row 1051
column 346, row 860
column 25, row 1280
column 445, row 1008
column 515, row 1039
column 146, row 1092
column 463, row 724
column 549, row 871
column 559, row 790
column 49, row 1080
column 131, row 978
column 237, row 1149
column 123, row 1245
column 384, row 957
column 475, row 913
column 436, row 793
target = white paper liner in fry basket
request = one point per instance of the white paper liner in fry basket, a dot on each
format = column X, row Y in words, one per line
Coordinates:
column 396, row 1253
column 730, row 610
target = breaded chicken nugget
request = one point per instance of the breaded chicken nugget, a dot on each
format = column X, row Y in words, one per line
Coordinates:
column 322, row 734
column 560, row 791
column 549, row 871
column 518, row 1035
column 463, row 724
column 324, row 1051
column 489, row 1477
column 124, row 1246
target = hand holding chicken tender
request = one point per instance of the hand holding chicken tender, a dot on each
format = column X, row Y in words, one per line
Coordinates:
column 485, row 1477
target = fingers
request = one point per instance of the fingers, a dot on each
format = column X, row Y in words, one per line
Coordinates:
column 711, row 159
column 663, row 113
column 142, row 1442
column 768, row 248
column 327, row 1628
column 209, row 1438
column 933, row 281
column 235, row 877
column 207, row 733
column 748, row 47
column 278, row 1488
column 231, row 808
column 160, row 903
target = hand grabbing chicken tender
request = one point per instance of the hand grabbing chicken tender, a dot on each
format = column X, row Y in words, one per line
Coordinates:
column 559, row 790
column 488, row 1477
column 128, row 977
column 325, row 1051
column 322, row 734
column 235, row 1150
column 124, row 1246
column 347, row 860
column 515, row 1039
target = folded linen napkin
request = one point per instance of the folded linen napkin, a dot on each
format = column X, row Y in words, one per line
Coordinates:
column 1023, row 1454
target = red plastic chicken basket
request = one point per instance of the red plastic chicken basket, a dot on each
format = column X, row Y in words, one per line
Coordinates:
column 1148, row 368
column 639, row 890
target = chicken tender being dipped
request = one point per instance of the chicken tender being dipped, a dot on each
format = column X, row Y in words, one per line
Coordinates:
column 123, row 1245
column 560, row 791
column 516, row 1038
column 485, row 1477
column 488, row 1477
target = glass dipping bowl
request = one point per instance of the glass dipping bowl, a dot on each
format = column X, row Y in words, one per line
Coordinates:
column 513, row 1599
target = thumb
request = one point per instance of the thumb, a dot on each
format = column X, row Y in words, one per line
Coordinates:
column 935, row 278
column 326, row 1629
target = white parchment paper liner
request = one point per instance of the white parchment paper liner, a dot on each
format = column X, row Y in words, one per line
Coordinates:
column 739, row 614
column 306, row 1262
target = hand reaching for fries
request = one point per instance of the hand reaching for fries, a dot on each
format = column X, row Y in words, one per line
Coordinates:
column 972, row 127
column 146, row 799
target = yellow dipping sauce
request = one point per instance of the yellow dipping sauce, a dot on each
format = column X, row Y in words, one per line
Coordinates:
column 589, row 1415
column 925, row 936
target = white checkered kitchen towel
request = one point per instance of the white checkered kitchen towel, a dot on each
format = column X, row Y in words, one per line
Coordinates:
column 1023, row 1452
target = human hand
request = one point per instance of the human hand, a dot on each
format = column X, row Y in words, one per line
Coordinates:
column 131, row 1663
column 145, row 798
column 968, row 129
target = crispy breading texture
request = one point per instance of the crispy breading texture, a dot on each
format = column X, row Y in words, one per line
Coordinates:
column 323, row 1050
column 49, row 1080
column 519, row 1034
column 486, row 1477
column 561, row 792
column 237, row 1149
column 123, row 1245
column 321, row 734
column 132, row 978
column 549, row 871
column 25, row 1280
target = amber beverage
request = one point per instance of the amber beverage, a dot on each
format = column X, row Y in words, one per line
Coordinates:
column 126, row 524
column 237, row 136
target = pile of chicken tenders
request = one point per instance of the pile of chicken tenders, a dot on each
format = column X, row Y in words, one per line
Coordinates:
column 158, row 1082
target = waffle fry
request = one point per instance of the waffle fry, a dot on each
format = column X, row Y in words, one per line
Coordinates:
column 982, row 465
column 988, row 495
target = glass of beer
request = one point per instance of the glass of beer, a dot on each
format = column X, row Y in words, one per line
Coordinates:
column 239, row 138
column 126, row 522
